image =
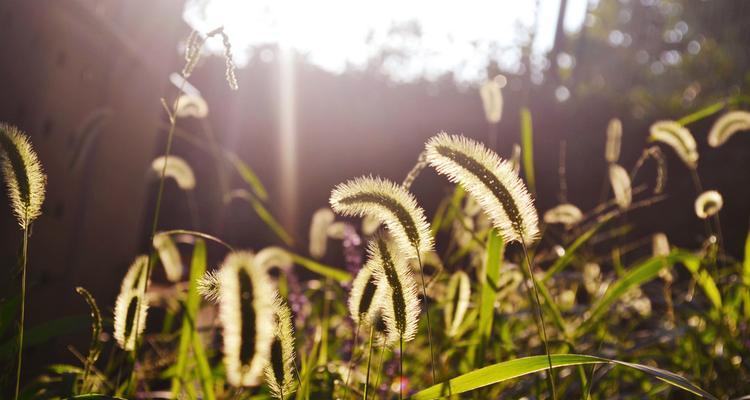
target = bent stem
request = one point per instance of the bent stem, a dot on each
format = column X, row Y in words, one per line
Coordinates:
column 369, row 358
column 24, row 254
column 538, row 305
column 427, row 313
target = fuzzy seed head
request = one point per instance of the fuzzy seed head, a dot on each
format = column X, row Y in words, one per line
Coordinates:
column 177, row 169
column 280, row 366
column 389, row 204
column 23, row 175
column 131, row 308
column 459, row 294
column 490, row 180
column 274, row 257
column 191, row 105
column 321, row 220
column 727, row 125
column 620, row 181
column 708, row 203
column 246, row 314
column 169, row 256
column 566, row 214
column 400, row 305
column 660, row 244
column 614, row 140
column 362, row 298
column 492, row 100
column 678, row 138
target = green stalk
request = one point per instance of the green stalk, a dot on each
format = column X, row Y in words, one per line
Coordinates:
column 427, row 313
column 400, row 366
column 23, row 306
column 541, row 321
column 380, row 369
column 154, row 225
column 369, row 358
column 351, row 360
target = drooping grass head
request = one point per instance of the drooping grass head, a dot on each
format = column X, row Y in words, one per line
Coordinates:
column 247, row 317
column 490, row 180
column 23, row 174
column 389, row 203
column 131, row 308
column 279, row 370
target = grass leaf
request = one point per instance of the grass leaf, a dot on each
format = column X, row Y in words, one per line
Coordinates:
column 322, row 269
column 523, row 366
column 527, row 148
column 488, row 294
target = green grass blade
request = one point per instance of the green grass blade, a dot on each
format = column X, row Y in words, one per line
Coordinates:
column 693, row 264
column 322, row 269
column 495, row 249
column 746, row 262
column 565, row 260
column 702, row 113
column 527, row 148
column 636, row 276
column 248, row 175
column 523, row 366
column 265, row 215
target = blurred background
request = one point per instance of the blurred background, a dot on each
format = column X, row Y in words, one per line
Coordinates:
column 334, row 89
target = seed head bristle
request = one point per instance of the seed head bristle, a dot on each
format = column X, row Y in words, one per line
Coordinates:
column 727, row 125
column 708, row 203
column 678, row 138
column 23, row 175
column 246, row 315
column 401, row 306
column 208, row 286
column 279, row 369
column 169, row 256
column 490, row 180
column 620, row 181
column 390, row 204
column 459, row 294
column 321, row 220
column 131, row 308
column 177, row 169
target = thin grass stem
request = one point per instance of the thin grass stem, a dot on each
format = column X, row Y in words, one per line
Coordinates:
column 369, row 358
column 427, row 313
column 401, row 366
column 351, row 361
column 24, row 254
column 380, row 369
column 541, row 321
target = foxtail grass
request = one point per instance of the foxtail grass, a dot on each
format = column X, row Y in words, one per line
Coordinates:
column 620, row 181
column 678, row 138
column 501, row 194
column 169, row 256
column 614, row 141
column 459, row 295
column 131, row 307
column 321, row 220
column 176, row 168
column 26, row 183
column 247, row 316
column 566, row 214
column 279, row 370
column 727, row 125
column 95, row 347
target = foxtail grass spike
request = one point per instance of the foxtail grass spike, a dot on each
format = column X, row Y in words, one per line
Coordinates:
column 362, row 297
column 678, row 138
column 131, row 308
column 415, row 171
column 177, row 169
column 390, row 204
column 401, row 306
column 246, row 315
column 620, row 181
column 321, row 220
column 280, row 367
column 708, row 203
column 515, row 159
column 23, row 175
column 191, row 105
column 274, row 257
column 459, row 295
column 169, row 256
column 727, row 125
column 614, row 140
column 492, row 100
column 566, row 214
column 660, row 244
column 490, row 180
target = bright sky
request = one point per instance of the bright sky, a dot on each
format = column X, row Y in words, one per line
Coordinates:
column 336, row 35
